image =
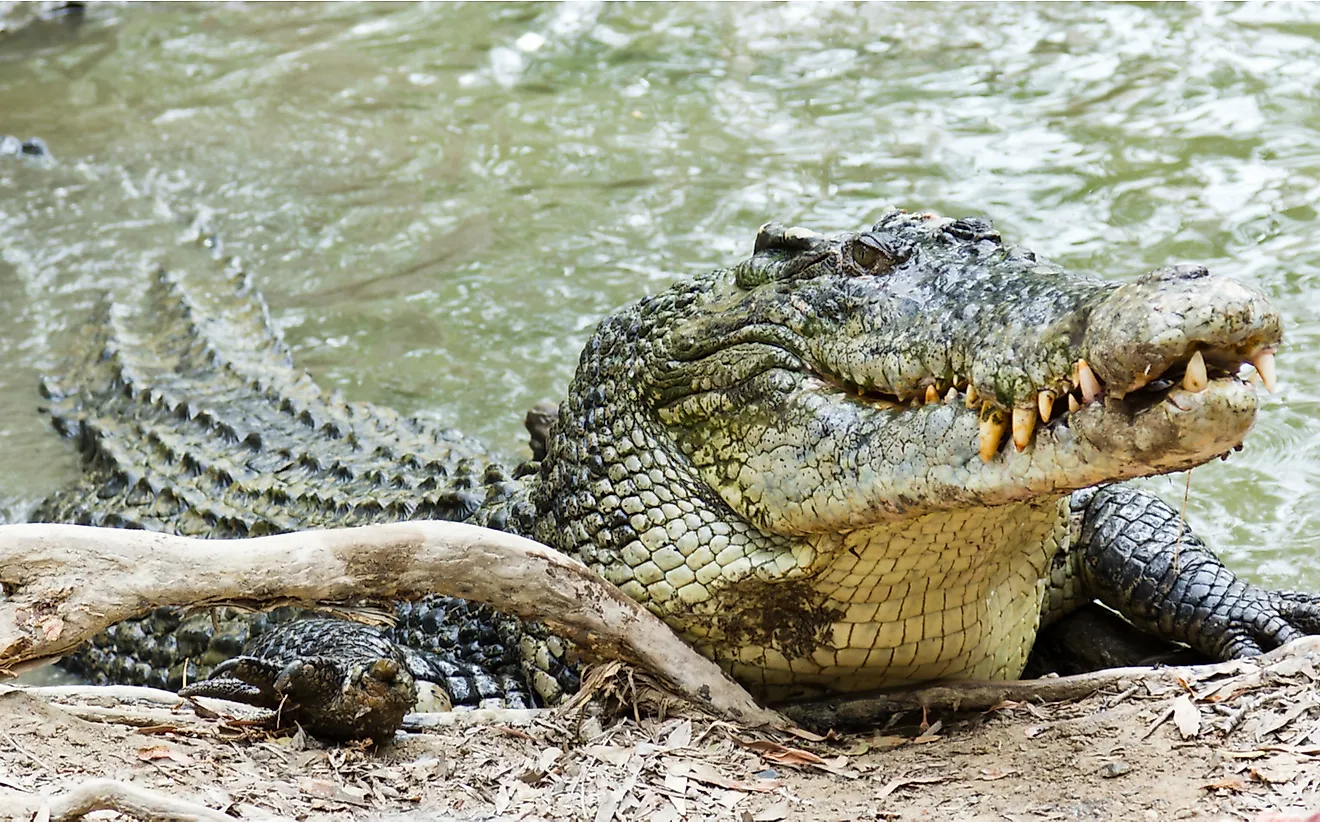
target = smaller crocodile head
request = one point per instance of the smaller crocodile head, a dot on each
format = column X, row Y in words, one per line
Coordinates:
column 353, row 699
column 828, row 383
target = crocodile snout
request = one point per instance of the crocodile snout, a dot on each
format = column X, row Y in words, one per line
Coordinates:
column 1160, row 323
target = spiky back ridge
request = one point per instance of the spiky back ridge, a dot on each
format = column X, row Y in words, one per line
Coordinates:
column 199, row 424
column 191, row 418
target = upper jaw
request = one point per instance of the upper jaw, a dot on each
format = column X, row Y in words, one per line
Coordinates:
column 1127, row 347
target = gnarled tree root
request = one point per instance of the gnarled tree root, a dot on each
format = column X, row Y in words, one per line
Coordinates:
column 63, row 584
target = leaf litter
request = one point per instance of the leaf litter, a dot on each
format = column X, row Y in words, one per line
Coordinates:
column 1242, row 743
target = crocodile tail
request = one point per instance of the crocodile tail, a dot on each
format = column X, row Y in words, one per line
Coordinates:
column 191, row 417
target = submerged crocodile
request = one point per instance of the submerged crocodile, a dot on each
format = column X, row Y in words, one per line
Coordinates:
column 874, row 458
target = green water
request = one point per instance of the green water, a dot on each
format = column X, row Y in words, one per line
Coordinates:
column 440, row 201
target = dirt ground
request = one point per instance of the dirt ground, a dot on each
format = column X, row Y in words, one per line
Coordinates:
column 1228, row 745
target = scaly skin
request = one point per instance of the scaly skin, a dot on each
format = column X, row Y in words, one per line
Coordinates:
column 742, row 453
column 779, row 458
column 199, row 424
column 340, row 679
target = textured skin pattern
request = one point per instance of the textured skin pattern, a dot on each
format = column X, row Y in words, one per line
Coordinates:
column 781, row 459
column 200, row 425
column 1132, row 559
column 338, row 679
column 727, row 454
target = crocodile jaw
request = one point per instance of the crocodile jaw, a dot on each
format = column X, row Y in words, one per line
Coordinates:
column 815, row 398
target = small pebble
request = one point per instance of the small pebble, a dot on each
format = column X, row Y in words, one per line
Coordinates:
column 1109, row 770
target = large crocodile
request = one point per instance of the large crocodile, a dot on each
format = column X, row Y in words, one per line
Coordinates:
column 848, row 461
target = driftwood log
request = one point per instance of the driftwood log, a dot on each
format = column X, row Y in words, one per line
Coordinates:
column 63, row 584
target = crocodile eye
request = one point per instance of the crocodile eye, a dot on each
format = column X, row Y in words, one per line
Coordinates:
column 868, row 253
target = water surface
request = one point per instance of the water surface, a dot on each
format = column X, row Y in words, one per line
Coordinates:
column 440, row 201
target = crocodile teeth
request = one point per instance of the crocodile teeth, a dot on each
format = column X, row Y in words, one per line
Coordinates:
column 1196, row 380
column 993, row 424
column 932, row 394
column 1073, row 404
column 951, row 395
column 1024, row 425
column 971, row 396
column 1264, row 362
column 1045, row 402
column 1086, row 380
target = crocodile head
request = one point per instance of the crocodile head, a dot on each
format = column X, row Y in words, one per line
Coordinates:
column 880, row 426
column 830, row 382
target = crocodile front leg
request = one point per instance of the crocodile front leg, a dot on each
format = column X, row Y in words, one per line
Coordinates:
column 1130, row 553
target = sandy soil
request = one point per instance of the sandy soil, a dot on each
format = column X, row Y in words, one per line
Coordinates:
column 1227, row 746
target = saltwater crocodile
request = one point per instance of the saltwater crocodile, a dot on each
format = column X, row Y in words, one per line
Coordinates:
column 846, row 461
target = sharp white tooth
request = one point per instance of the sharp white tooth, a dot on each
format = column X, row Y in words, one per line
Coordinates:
column 951, row 394
column 1196, row 380
column 993, row 423
column 1264, row 362
column 1045, row 402
column 971, row 396
column 1073, row 404
column 1086, row 380
column 1024, row 425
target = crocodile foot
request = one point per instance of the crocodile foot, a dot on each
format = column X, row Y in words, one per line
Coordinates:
column 356, row 685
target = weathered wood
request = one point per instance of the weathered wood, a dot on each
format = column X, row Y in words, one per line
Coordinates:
column 66, row 583
column 852, row 711
column 109, row 795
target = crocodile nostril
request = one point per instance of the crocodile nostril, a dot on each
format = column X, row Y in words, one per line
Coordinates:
column 1177, row 273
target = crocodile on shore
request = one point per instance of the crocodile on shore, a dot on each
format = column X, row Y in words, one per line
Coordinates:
column 868, row 459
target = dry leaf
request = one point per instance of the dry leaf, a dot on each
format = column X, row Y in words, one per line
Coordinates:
column 906, row 781
column 1276, row 770
column 681, row 736
column 796, row 757
column 547, row 758
column 325, row 789
column 610, row 754
column 1186, row 716
column 880, row 744
column 802, row 733
column 1230, row 783
column 707, row 774
column 163, row 752
column 516, row 733
column 786, row 756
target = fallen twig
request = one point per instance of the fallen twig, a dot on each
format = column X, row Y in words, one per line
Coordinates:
column 865, row 710
column 66, row 583
column 110, row 795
